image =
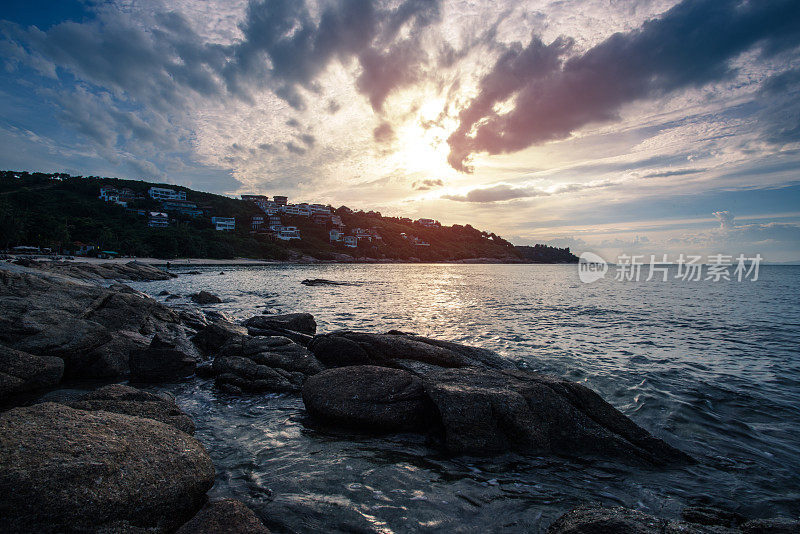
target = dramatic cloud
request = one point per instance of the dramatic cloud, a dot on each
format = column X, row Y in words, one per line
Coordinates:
column 503, row 192
column 551, row 96
column 425, row 185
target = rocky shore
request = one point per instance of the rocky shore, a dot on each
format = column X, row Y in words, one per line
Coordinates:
column 120, row 459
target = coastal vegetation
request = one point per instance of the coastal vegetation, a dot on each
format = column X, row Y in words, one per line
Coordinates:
column 61, row 212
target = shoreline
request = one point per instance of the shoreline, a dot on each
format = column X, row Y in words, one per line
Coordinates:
column 210, row 262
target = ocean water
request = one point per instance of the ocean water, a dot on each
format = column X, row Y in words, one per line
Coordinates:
column 711, row 367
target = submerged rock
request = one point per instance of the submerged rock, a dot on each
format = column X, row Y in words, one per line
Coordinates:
column 369, row 398
column 126, row 400
column 213, row 336
column 597, row 519
column 223, row 517
column 417, row 354
column 269, row 363
column 21, row 372
column 324, row 282
column 63, row 469
column 204, row 297
column 93, row 329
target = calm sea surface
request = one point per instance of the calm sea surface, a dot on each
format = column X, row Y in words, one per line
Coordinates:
column 713, row 368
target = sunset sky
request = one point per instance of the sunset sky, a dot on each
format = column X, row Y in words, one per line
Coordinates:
column 648, row 126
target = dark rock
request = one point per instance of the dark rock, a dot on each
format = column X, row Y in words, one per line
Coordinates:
column 778, row 525
column 369, row 398
column 404, row 351
column 257, row 364
column 162, row 361
column 131, row 401
column 93, row 329
column 205, row 370
column 707, row 515
column 211, row 338
column 204, row 297
column 297, row 337
column 489, row 411
column 192, row 317
column 132, row 270
column 597, row 520
column 63, row 469
column 21, row 372
column 224, row 517
column 222, row 272
column 323, row 282
column 173, row 297
column 164, row 293
column 296, row 322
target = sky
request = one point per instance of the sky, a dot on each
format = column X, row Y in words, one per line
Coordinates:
column 611, row 126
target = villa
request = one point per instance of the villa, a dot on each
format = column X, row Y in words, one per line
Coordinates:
column 224, row 223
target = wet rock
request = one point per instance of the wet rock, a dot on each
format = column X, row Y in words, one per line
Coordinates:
column 21, row 372
column 403, row 351
column 707, row 515
column 596, row 520
column 778, row 525
column 296, row 322
column 93, row 329
column 204, row 297
column 324, row 282
column 214, row 335
column 257, row 364
column 369, row 398
column 126, row 400
column 193, row 317
column 223, row 517
column 63, row 469
column 162, row 361
column 490, row 411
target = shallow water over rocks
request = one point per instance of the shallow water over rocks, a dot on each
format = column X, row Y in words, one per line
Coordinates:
column 712, row 368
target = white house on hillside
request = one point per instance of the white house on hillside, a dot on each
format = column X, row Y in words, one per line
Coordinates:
column 224, row 223
column 162, row 193
column 158, row 219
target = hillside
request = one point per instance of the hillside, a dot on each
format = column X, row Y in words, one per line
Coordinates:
column 63, row 212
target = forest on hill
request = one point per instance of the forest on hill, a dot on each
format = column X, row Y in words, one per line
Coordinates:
column 61, row 212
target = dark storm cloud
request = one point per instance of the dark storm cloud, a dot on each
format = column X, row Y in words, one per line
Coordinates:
column 692, row 44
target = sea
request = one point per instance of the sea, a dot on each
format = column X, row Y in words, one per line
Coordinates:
column 712, row 367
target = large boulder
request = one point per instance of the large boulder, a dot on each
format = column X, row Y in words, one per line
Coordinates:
column 63, row 469
column 93, row 329
column 224, row 517
column 417, row 354
column 21, row 372
column 204, row 297
column 296, row 322
column 126, row 400
column 491, row 411
column 162, row 361
column 258, row 364
column 369, row 398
